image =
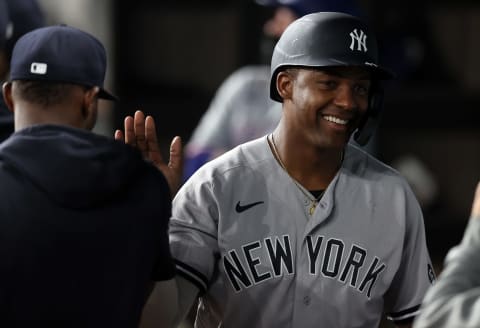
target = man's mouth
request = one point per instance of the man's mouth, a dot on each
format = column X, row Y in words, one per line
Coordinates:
column 336, row 120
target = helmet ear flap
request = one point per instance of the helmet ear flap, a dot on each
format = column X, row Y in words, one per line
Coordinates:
column 372, row 117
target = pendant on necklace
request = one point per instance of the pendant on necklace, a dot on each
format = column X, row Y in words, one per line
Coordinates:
column 312, row 207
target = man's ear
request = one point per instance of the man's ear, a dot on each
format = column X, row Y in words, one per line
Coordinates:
column 90, row 107
column 7, row 95
column 285, row 85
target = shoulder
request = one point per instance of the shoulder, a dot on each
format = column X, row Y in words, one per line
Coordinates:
column 247, row 157
column 358, row 163
column 382, row 186
column 361, row 162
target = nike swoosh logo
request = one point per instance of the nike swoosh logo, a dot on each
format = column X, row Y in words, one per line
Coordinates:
column 241, row 208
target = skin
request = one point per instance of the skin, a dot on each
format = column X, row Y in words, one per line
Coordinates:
column 79, row 110
column 309, row 96
column 140, row 132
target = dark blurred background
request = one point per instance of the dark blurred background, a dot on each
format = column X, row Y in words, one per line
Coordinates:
column 172, row 55
column 168, row 58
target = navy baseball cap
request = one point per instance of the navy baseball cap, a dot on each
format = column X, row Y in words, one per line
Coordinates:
column 60, row 53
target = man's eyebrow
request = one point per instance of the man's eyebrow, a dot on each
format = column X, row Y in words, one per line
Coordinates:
column 345, row 74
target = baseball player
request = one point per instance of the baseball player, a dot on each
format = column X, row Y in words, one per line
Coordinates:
column 83, row 218
column 299, row 228
column 454, row 300
column 241, row 109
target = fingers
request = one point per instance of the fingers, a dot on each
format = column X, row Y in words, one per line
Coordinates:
column 176, row 154
column 153, row 149
column 119, row 136
column 129, row 131
column 476, row 203
column 175, row 165
column 139, row 131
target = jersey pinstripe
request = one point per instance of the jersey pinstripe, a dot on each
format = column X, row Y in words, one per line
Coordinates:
column 241, row 232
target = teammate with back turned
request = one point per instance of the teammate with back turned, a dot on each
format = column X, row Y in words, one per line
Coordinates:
column 299, row 228
column 83, row 218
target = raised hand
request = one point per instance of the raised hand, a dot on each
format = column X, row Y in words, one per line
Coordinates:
column 140, row 132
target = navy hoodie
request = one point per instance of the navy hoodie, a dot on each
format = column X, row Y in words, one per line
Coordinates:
column 83, row 230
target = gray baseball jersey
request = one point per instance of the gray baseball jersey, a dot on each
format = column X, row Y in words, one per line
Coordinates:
column 455, row 299
column 241, row 231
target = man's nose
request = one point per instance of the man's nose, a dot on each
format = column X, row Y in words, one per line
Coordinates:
column 344, row 97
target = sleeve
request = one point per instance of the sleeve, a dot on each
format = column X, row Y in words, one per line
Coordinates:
column 415, row 273
column 454, row 301
column 193, row 233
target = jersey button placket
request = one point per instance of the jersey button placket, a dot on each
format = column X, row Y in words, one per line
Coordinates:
column 306, row 300
column 307, row 203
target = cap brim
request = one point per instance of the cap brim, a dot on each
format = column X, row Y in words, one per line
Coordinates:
column 103, row 94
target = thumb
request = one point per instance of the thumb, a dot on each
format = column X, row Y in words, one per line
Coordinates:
column 176, row 154
column 175, row 164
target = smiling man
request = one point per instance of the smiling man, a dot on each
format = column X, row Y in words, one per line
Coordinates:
column 299, row 228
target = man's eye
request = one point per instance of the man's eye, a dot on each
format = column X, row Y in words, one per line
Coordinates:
column 329, row 84
column 361, row 90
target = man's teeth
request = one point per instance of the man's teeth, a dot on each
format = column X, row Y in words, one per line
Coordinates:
column 335, row 120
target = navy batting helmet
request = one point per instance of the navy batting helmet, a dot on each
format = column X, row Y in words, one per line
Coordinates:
column 326, row 39
column 332, row 39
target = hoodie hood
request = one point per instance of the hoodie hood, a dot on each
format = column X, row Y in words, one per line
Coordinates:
column 75, row 168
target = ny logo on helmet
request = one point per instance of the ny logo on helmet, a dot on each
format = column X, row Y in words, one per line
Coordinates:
column 359, row 39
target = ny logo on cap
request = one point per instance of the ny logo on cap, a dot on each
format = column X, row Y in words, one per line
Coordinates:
column 359, row 39
column 38, row 68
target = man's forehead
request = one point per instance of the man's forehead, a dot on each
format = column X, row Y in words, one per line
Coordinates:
column 356, row 72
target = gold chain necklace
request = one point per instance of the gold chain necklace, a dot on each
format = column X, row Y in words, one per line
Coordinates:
column 313, row 201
